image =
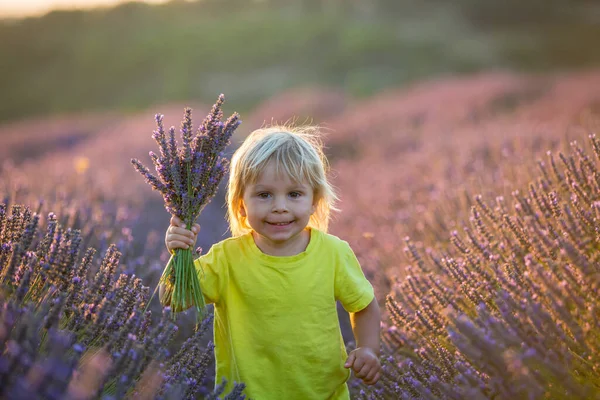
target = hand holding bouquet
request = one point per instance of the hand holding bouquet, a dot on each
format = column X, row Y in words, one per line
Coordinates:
column 188, row 178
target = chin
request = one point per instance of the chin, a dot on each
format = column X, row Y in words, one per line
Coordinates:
column 280, row 237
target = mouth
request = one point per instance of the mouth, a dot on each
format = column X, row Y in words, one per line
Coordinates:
column 280, row 223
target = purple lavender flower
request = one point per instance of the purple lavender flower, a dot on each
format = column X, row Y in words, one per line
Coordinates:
column 188, row 179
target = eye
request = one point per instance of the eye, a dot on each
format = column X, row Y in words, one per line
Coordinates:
column 263, row 195
column 295, row 195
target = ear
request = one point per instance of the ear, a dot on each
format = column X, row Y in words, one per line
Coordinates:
column 242, row 210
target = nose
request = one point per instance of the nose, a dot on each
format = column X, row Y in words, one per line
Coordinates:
column 279, row 205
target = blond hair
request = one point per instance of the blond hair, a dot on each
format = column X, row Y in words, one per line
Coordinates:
column 297, row 151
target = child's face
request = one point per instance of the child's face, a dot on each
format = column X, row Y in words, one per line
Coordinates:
column 276, row 207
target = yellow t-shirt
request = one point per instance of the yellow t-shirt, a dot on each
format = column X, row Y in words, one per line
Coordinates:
column 276, row 326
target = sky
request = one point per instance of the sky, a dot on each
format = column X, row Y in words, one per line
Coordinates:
column 22, row 8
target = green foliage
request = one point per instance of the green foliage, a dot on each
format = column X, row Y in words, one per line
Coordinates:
column 136, row 55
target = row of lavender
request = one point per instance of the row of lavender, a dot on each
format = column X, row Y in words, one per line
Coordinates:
column 74, row 326
column 512, row 310
column 381, row 205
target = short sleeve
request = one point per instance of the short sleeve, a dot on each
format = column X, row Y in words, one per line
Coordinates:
column 352, row 288
column 213, row 274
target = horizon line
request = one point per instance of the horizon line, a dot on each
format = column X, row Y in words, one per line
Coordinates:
column 17, row 10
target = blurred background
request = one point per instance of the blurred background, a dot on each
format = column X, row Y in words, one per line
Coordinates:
column 113, row 55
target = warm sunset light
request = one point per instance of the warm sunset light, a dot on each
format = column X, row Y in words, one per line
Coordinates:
column 24, row 8
column 299, row 199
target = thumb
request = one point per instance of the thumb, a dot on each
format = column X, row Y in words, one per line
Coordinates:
column 175, row 221
column 350, row 360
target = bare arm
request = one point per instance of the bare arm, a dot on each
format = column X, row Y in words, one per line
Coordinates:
column 364, row 360
column 365, row 326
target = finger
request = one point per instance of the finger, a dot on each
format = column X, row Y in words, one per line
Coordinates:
column 364, row 371
column 180, row 234
column 174, row 230
column 374, row 380
column 178, row 221
column 177, row 244
column 371, row 374
column 350, row 360
column 358, row 364
column 184, row 238
column 196, row 229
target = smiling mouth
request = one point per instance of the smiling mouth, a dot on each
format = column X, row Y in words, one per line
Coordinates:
column 280, row 223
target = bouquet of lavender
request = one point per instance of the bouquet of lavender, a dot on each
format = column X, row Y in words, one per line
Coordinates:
column 188, row 178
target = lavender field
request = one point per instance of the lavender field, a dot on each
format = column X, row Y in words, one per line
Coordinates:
column 472, row 203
